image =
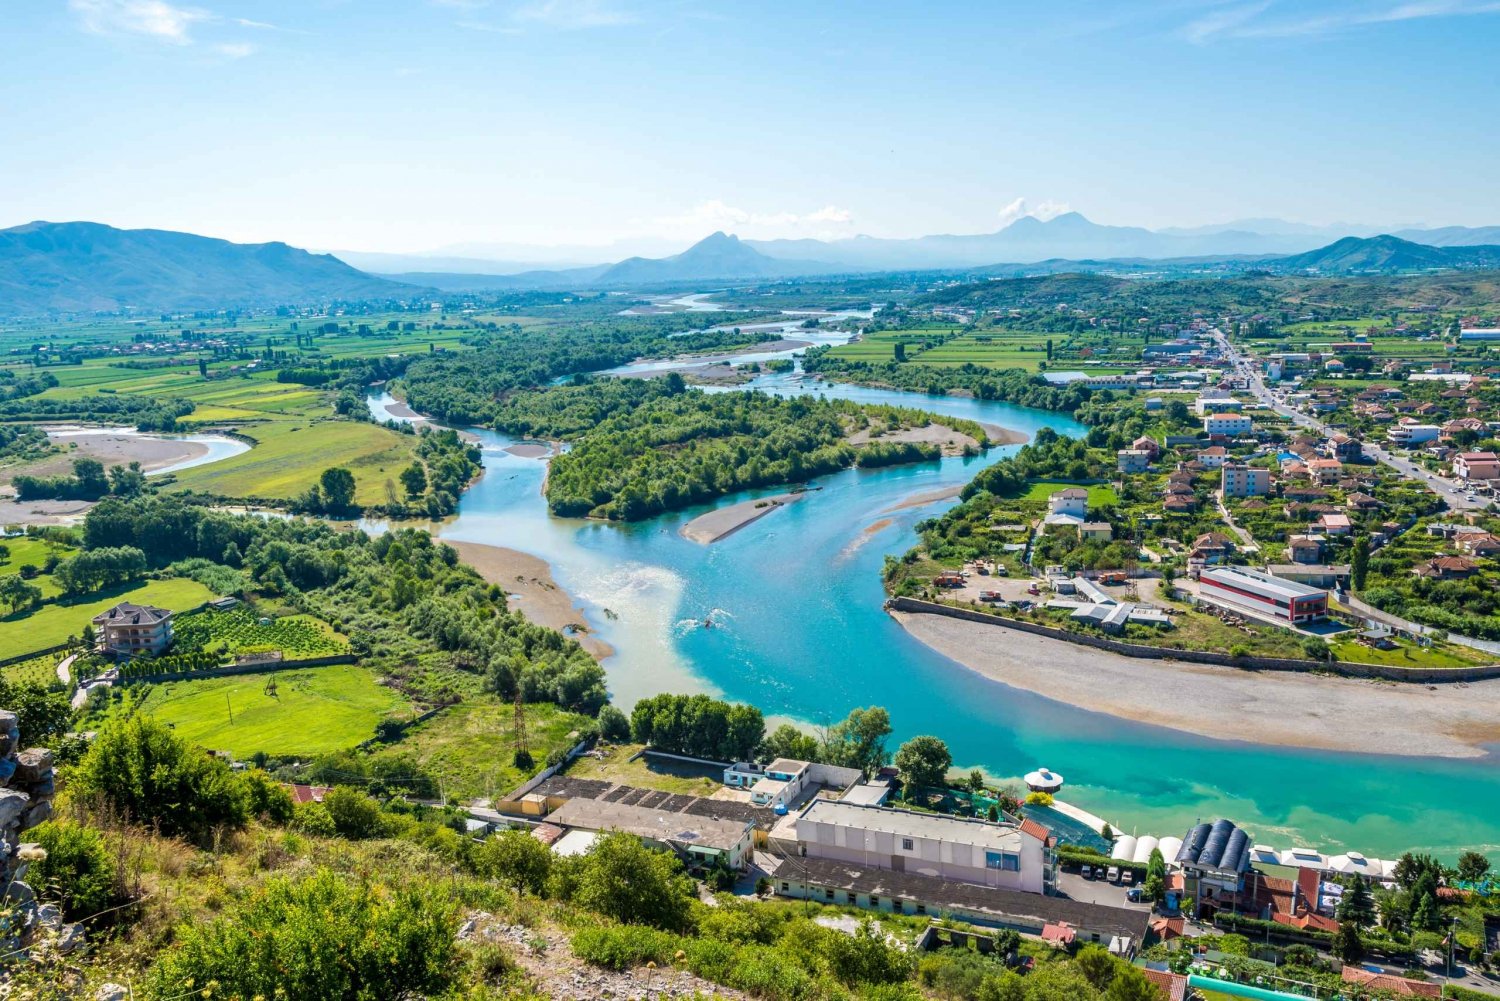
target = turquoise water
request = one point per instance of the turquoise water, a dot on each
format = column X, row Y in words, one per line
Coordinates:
column 796, row 600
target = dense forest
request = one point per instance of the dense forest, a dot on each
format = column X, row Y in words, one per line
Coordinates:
column 411, row 610
column 641, row 447
column 1011, row 385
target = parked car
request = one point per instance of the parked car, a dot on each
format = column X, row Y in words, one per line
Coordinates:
column 1087, row 872
column 1133, row 894
column 1114, row 874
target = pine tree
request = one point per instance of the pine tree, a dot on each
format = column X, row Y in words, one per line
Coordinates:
column 1357, row 907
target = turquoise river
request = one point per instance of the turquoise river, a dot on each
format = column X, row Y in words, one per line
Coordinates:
column 801, row 633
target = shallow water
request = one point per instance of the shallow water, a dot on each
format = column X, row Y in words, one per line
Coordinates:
column 799, row 631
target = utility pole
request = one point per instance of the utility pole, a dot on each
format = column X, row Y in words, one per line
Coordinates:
column 230, row 708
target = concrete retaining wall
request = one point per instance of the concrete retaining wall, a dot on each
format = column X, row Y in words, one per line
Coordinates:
column 1383, row 671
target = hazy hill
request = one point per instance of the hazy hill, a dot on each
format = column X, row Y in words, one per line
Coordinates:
column 1387, row 254
column 85, row 266
column 714, row 257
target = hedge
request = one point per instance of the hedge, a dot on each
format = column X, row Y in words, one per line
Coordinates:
column 1089, row 856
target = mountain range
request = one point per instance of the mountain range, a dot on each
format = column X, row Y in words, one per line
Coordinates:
column 90, row 267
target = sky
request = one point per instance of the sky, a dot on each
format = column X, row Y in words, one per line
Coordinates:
column 417, row 125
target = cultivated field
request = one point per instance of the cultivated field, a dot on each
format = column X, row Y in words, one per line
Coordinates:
column 54, row 622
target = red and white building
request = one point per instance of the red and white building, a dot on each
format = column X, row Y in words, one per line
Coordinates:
column 1243, row 588
column 1476, row 466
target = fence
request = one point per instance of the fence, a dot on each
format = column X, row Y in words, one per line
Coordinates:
column 1387, row 672
column 232, row 669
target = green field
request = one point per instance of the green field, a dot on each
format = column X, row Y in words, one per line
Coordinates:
column 313, row 711
column 25, row 550
column 472, row 744
column 36, row 671
column 1099, row 494
column 52, row 623
column 239, row 630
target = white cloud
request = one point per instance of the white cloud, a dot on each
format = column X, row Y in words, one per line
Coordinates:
column 716, row 214
column 235, row 50
column 153, row 18
column 1246, row 21
column 1044, row 210
column 568, row 15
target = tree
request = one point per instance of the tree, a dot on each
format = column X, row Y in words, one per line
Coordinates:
column 1359, row 564
column 337, row 488
column 1412, row 866
column 1156, row 876
column 620, row 878
column 1107, row 833
column 16, row 594
column 859, row 741
column 1473, row 867
column 1356, row 907
column 1347, row 945
column 1130, row 984
column 975, row 781
column 923, row 762
column 613, row 725
column 516, row 859
column 414, row 479
column 354, row 814
column 786, row 741
column 1316, row 648
column 900, row 351
column 1096, row 965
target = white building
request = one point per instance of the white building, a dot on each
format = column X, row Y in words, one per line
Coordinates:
column 1237, row 480
column 1480, row 334
column 1227, row 424
column 1413, row 434
column 1242, row 588
column 1068, row 506
column 1215, row 404
column 782, row 783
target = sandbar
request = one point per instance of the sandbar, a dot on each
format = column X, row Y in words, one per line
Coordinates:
column 720, row 522
column 111, row 448
column 535, row 594
column 1277, row 708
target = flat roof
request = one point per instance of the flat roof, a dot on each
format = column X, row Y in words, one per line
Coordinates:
column 791, row 765
column 1258, row 583
column 644, row 822
column 906, row 823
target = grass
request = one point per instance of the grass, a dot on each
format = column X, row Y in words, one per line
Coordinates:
column 239, row 630
column 25, row 550
column 615, row 766
column 313, row 711
column 1099, row 495
column 52, row 623
column 472, row 744
column 36, row 671
column 1437, row 656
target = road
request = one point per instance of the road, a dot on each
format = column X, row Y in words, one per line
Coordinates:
column 1446, row 489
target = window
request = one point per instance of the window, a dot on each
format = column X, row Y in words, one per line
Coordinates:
column 829, row 892
column 921, row 908
column 906, row 844
column 784, row 888
column 1004, row 861
column 874, row 900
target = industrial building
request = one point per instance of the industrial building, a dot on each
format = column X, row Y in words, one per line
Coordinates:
column 1242, row 588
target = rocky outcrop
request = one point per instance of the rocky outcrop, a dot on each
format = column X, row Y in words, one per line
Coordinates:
column 26, row 790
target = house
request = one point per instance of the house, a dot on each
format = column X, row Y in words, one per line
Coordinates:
column 1227, row 425
column 1179, row 504
column 1446, row 568
column 1095, row 531
column 1407, row 435
column 1478, row 544
column 1068, row 506
column 1215, row 860
column 1477, row 466
column 1213, row 457
column 1153, row 403
column 1059, row 935
column 1243, row 589
column 1238, row 480
column 783, row 782
column 1335, row 524
column 1390, row 983
column 1362, row 502
column 1133, row 460
column 700, row 841
column 1146, row 443
column 1325, row 470
column 1212, row 546
column 743, row 774
column 1003, row 855
column 128, row 629
column 1217, row 403
column 1304, row 549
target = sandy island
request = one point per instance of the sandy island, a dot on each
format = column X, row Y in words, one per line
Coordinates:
column 112, row 449
column 534, row 593
column 1285, row 709
column 1003, row 436
column 724, row 521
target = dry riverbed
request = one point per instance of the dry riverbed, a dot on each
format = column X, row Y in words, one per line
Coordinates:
column 535, row 594
column 1281, row 708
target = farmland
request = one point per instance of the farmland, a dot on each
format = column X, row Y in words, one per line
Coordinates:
column 239, row 631
column 40, row 670
column 311, row 711
column 51, row 624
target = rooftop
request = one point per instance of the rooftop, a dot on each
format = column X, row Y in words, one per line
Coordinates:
column 1257, row 582
column 906, row 823
column 644, row 822
column 128, row 614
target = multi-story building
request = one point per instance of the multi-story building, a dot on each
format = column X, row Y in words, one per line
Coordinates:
column 1133, row 460
column 1477, row 466
column 1413, row 434
column 1239, row 480
column 1251, row 590
column 1227, row 424
column 128, row 630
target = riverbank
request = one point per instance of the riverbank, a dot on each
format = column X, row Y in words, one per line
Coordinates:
column 112, row 448
column 721, row 522
column 1284, row 710
column 535, row 594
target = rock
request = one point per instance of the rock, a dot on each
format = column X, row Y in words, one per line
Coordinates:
column 70, row 938
column 20, row 893
column 112, row 992
column 12, row 805
column 33, row 765
column 49, row 916
column 38, row 813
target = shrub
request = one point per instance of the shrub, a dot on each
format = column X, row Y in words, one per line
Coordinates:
column 622, row 879
column 78, row 870
column 313, row 818
column 619, row 947
column 354, row 814
column 324, row 936
column 613, row 725
column 515, row 858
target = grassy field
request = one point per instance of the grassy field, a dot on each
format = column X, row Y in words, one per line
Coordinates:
column 1445, row 655
column 313, row 711
column 25, row 550
column 472, row 744
column 54, row 622
column 615, row 766
column 36, row 671
column 239, row 631
column 1100, row 495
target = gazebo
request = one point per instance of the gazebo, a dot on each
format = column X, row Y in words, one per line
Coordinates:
column 1043, row 780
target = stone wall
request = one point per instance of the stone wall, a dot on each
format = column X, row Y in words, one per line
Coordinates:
column 26, row 791
column 1384, row 671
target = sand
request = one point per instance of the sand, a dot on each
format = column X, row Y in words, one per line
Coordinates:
column 112, row 450
column 539, row 598
column 42, row 512
column 1278, row 708
column 725, row 521
column 925, row 498
column 531, row 450
column 1003, row 436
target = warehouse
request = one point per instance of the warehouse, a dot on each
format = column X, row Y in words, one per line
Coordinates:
column 1241, row 588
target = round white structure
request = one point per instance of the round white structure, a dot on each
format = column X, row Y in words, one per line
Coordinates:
column 1124, row 848
column 1143, row 849
column 1043, row 780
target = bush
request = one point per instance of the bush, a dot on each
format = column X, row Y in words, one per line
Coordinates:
column 313, row 818
column 321, row 937
column 79, row 870
column 354, row 814
column 619, row 947
column 614, row 726
column 622, row 879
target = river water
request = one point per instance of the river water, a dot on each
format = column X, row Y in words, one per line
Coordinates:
column 799, row 631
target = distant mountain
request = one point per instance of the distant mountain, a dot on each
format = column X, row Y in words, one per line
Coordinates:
column 719, row 256
column 445, row 281
column 1387, row 253
column 84, row 266
column 1454, row 236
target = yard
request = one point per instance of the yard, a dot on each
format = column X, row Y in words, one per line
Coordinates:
column 24, row 551
column 40, row 670
column 51, row 624
column 472, row 745
column 1100, row 495
column 311, row 711
column 615, row 765
column 239, row 631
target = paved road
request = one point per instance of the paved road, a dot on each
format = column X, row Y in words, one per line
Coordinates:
column 1446, row 489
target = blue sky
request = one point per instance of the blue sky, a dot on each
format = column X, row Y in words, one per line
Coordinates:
column 408, row 125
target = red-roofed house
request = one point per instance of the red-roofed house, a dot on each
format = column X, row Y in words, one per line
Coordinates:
column 1172, row 986
column 1059, row 935
column 308, row 794
column 1036, row 830
column 1390, row 982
